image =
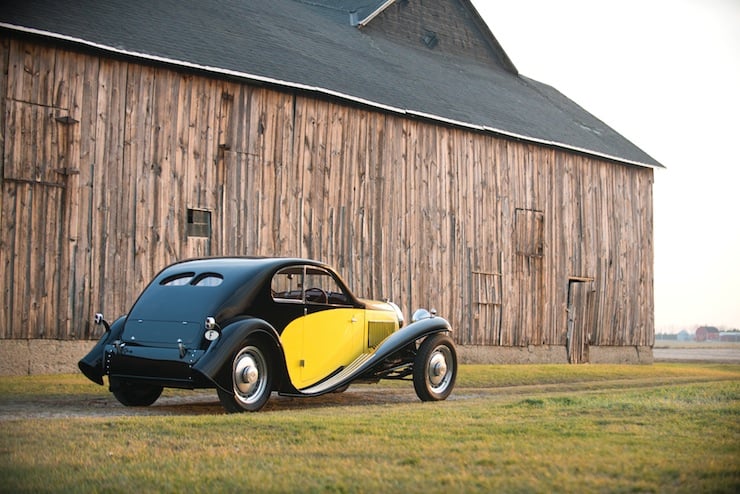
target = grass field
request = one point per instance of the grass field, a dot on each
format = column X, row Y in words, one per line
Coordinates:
column 540, row 428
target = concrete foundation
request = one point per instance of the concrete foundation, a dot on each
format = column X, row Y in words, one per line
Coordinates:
column 32, row 357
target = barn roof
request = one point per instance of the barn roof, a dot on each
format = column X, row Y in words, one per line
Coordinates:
column 330, row 47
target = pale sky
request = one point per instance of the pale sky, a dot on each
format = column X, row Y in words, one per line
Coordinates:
column 666, row 75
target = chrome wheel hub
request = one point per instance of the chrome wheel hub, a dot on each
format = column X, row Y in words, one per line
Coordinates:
column 249, row 374
column 438, row 369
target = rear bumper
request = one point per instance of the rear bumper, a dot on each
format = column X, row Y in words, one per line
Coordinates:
column 162, row 366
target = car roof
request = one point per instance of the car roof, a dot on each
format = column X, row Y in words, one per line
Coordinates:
column 240, row 280
column 239, row 269
column 240, row 263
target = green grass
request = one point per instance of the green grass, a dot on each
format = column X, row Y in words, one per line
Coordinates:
column 549, row 428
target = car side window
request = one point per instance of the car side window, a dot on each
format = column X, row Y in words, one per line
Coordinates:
column 287, row 284
column 321, row 288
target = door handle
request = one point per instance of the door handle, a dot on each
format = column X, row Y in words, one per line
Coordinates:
column 353, row 320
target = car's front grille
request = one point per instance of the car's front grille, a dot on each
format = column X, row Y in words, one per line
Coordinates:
column 377, row 331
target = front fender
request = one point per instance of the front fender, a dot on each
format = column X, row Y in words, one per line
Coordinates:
column 91, row 364
column 367, row 362
column 215, row 363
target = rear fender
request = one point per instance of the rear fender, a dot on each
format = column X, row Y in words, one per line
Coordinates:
column 215, row 364
column 91, row 364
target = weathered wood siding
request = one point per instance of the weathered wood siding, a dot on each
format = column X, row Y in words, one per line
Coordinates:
column 103, row 158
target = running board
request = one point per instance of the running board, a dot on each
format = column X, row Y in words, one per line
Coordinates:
column 338, row 378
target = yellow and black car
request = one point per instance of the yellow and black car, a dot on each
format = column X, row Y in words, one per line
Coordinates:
column 251, row 326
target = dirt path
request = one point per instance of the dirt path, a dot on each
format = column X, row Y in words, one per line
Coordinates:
column 205, row 402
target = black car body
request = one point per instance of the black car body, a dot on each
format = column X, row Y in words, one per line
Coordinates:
column 251, row 326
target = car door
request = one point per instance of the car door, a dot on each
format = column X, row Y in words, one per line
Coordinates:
column 330, row 334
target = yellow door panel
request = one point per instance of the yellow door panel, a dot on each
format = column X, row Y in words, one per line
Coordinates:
column 318, row 344
column 331, row 339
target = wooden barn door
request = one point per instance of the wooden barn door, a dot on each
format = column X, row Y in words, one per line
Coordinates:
column 580, row 302
column 528, row 297
column 485, row 311
column 35, row 284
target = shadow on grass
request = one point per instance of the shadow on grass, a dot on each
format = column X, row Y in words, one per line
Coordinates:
column 185, row 402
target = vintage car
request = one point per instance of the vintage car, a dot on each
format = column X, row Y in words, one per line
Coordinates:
column 251, row 326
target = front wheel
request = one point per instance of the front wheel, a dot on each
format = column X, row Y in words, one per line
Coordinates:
column 133, row 394
column 435, row 368
column 251, row 377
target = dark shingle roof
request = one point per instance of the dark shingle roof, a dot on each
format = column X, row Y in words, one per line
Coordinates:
column 310, row 44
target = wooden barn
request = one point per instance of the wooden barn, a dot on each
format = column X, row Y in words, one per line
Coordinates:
column 394, row 140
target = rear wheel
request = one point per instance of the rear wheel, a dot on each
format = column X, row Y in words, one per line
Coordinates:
column 134, row 394
column 251, row 378
column 435, row 368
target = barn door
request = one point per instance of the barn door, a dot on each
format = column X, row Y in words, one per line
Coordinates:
column 580, row 299
column 34, row 284
column 486, row 308
column 485, row 311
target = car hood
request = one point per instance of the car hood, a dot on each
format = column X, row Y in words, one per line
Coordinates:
column 377, row 305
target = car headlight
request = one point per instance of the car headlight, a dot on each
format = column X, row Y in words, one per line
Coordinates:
column 423, row 314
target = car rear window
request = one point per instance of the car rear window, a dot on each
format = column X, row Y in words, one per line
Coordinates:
column 189, row 278
column 208, row 279
column 179, row 279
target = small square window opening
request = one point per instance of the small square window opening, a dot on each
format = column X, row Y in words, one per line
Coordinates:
column 199, row 223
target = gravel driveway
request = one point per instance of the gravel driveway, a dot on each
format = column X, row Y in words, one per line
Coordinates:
column 178, row 402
